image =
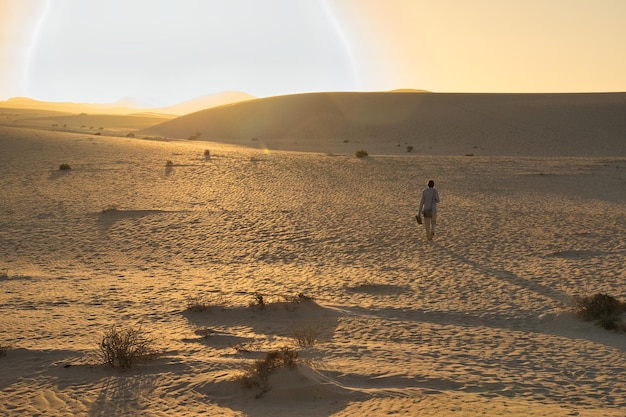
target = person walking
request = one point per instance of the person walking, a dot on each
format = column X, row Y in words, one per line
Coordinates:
column 428, row 207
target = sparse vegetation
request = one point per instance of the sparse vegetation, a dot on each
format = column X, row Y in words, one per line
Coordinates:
column 201, row 303
column 4, row 349
column 298, row 298
column 409, row 148
column 305, row 336
column 169, row 164
column 246, row 347
column 258, row 302
column 130, row 135
column 196, row 136
column 124, row 347
column 361, row 153
column 293, row 301
column 65, row 167
column 603, row 309
column 257, row 374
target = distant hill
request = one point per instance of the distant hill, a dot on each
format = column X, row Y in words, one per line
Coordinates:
column 205, row 102
column 66, row 107
column 128, row 106
column 591, row 124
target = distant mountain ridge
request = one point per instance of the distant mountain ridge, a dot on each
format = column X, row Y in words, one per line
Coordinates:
column 128, row 105
column 205, row 102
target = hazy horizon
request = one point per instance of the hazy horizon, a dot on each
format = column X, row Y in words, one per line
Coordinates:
column 167, row 52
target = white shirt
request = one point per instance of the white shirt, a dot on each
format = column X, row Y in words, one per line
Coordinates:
column 430, row 198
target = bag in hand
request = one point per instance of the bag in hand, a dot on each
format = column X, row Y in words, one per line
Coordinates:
column 419, row 219
column 427, row 213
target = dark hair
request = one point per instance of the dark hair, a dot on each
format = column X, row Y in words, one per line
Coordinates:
column 431, row 183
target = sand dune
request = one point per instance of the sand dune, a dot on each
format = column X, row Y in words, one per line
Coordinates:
column 93, row 124
column 476, row 322
column 387, row 123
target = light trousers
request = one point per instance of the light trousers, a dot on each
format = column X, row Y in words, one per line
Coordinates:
column 429, row 225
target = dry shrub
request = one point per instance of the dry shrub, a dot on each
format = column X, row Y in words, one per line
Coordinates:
column 361, row 153
column 258, row 373
column 604, row 309
column 124, row 347
column 299, row 298
column 4, row 349
column 201, row 303
column 258, row 302
column 305, row 336
column 293, row 301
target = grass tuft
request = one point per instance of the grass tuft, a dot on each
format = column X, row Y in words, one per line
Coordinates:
column 258, row 302
column 4, row 349
column 201, row 303
column 305, row 336
column 257, row 374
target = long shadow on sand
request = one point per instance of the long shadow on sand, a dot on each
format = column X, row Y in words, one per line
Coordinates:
column 247, row 333
column 509, row 277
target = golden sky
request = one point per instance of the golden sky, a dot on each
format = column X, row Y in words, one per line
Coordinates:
column 162, row 52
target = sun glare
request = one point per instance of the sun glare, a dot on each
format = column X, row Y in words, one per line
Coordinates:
column 180, row 50
column 162, row 52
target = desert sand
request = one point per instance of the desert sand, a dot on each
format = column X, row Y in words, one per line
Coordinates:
column 476, row 322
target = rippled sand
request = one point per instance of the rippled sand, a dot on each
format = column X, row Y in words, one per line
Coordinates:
column 475, row 322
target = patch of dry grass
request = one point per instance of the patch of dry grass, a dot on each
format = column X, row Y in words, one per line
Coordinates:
column 4, row 349
column 257, row 374
column 124, row 347
column 305, row 336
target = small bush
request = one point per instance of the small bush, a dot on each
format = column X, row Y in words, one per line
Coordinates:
column 202, row 303
column 125, row 347
column 169, row 164
column 4, row 349
column 298, row 298
column 130, row 135
column 305, row 336
column 257, row 374
column 292, row 302
column 604, row 309
column 409, row 148
column 258, row 302
column 65, row 167
column 361, row 153
column 110, row 209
